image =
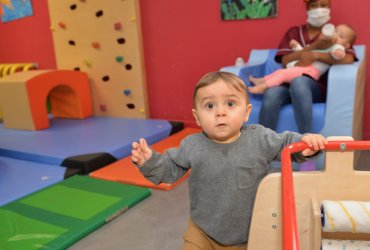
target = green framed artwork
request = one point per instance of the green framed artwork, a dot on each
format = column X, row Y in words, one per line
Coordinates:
column 248, row 9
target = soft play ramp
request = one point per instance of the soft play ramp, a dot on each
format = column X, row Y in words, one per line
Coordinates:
column 69, row 138
column 126, row 172
column 19, row 178
column 58, row 216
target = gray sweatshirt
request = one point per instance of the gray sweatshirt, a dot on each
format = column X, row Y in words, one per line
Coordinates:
column 224, row 177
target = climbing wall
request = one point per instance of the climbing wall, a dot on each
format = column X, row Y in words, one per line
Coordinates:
column 103, row 38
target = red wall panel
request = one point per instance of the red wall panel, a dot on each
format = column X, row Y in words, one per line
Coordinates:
column 28, row 39
column 182, row 41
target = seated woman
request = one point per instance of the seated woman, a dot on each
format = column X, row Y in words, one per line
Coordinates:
column 344, row 38
column 303, row 91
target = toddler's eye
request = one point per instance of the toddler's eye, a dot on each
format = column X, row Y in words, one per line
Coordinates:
column 230, row 103
column 210, row 105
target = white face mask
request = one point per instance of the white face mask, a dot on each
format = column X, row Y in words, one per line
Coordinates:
column 318, row 17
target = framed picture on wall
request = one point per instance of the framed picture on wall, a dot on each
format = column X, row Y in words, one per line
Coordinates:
column 248, row 9
column 14, row 9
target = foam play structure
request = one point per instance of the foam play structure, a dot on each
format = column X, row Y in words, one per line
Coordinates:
column 18, row 184
column 59, row 215
column 341, row 115
column 72, row 142
column 126, row 172
column 11, row 68
column 291, row 210
column 23, row 97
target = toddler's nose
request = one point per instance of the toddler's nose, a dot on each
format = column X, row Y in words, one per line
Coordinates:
column 221, row 111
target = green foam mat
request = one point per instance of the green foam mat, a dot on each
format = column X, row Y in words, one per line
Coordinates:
column 58, row 216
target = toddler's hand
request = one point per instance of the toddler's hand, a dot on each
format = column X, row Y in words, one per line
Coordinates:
column 140, row 152
column 316, row 143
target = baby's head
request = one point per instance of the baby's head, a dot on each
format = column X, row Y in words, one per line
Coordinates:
column 221, row 105
column 228, row 78
column 345, row 35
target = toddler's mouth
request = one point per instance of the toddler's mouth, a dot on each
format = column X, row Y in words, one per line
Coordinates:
column 221, row 124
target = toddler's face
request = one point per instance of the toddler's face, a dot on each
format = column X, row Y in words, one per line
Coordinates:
column 221, row 111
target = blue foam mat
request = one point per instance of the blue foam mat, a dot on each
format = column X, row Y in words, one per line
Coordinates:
column 68, row 137
column 19, row 178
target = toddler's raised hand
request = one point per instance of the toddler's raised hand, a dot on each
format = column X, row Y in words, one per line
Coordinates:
column 140, row 152
column 315, row 141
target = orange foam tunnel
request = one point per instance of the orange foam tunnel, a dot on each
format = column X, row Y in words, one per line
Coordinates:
column 23, row 97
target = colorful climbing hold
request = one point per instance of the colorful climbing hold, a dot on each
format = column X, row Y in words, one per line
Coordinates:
column 95, row 45
column 119, row 58
column 127, row 92
column 87, row 63
column 62, row 25
column 117, row 26
column 103, row 107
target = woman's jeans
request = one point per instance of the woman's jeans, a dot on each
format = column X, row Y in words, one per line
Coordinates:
column 302, row 92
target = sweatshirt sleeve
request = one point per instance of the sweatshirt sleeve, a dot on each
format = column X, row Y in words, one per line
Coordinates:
column 275, row 143
column 168, row 167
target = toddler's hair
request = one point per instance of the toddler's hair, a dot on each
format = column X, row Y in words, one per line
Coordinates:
column 228, row 78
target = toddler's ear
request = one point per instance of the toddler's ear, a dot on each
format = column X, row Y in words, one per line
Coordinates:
column 194, row 111
column 249, row 110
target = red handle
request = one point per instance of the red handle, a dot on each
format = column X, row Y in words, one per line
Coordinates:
column 290, row 230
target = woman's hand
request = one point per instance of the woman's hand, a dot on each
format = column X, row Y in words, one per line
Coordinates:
column 322, row 42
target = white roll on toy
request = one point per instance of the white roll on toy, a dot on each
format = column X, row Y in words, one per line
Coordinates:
column 346, row 216
column 330, row 244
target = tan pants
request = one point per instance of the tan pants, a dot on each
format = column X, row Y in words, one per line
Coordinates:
column 196, row 239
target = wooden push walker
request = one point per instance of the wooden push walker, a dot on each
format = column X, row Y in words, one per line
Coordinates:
column 290, row 217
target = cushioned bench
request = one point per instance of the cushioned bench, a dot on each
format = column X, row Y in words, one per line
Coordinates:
column 343, row 111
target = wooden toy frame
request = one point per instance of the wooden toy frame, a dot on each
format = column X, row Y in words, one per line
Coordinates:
column 296, row 222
